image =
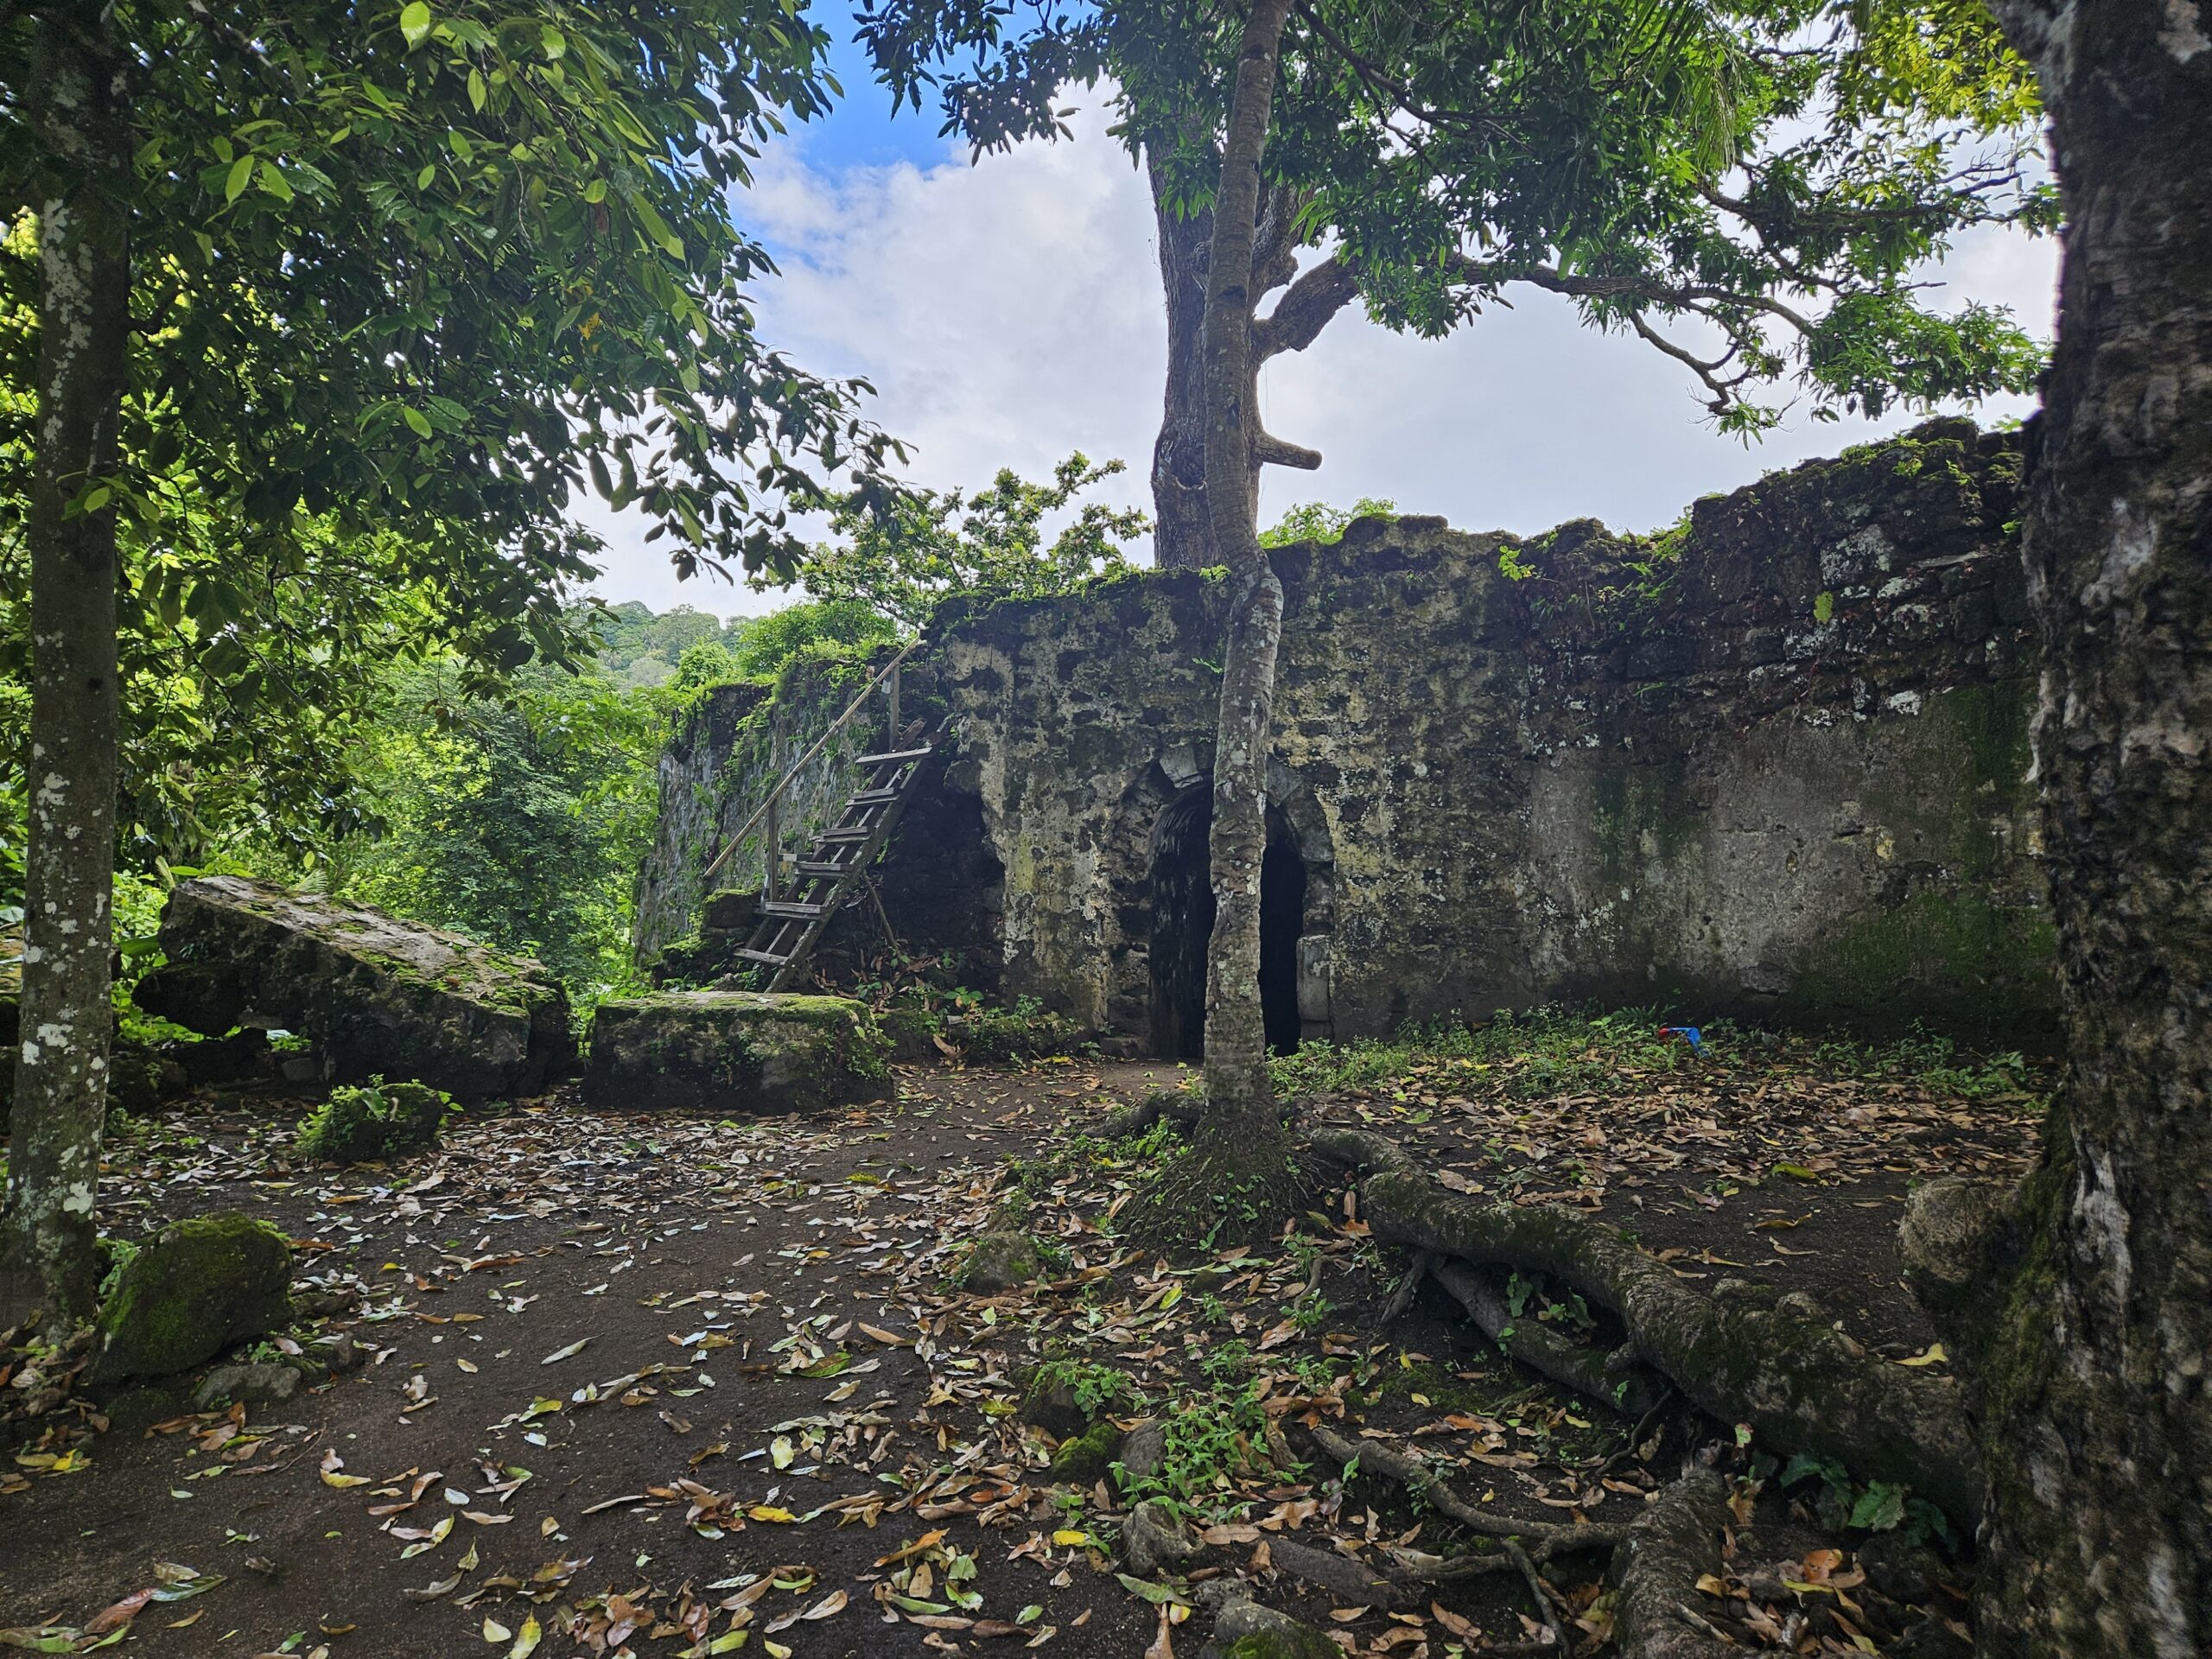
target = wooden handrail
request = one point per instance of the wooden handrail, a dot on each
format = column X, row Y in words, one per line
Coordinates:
column 800, row 765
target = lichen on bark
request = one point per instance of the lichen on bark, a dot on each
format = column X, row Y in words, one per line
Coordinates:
column 79, row 112
column 2093, row 1395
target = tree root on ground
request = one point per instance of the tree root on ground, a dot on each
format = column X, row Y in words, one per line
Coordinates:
column 1427, row 1487
column 1675, row 1541
column 1406, row 1578
column 1632, row 1391
column 1801, row 1386
column 1172, row 1105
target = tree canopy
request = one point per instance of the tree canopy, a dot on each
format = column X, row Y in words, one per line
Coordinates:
column 403, row 285
column 1749, row 185
column 933, row 547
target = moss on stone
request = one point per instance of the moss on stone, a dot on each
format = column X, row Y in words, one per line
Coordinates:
column 1090, row 1455
column 1001, row 1261
column 376, row 1120
column 735, row 1051
column 1303, row 1643
column 190, row 1291
column 1952, row 956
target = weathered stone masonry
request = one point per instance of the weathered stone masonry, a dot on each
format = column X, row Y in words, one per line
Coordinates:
column 1773, row 763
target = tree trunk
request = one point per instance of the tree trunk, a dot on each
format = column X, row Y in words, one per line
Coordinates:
column 1182, row 529
column 1182, row 536
column 1240, row 1103
column 2094, row 1366
column 82, row 122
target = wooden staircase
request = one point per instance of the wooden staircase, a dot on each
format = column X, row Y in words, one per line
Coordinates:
column 794, row 919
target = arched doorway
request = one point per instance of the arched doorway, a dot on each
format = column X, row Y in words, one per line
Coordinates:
column 1182, row 922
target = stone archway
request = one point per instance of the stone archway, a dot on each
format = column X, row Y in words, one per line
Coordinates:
column 1169, row 915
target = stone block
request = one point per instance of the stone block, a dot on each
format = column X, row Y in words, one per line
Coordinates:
column 735, row 1052
column 190, row 1291
column 376, row 994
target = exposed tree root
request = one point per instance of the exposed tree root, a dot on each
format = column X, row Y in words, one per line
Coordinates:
column 1402, row 1297
column 1430, row 1488
column 1168, row 1104
column 1631, row 1390
column 1407, row 1578
column 1801, row 1386
column 1667, row 1549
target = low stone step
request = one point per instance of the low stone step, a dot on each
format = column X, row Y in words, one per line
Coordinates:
column 736, row 1052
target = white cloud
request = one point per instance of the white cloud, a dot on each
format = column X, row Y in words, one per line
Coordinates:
column 1009, row 313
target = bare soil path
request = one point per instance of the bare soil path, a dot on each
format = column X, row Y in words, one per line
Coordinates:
column 637, row 1384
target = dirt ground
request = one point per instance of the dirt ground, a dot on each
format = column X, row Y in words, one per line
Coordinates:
column 665, row 1385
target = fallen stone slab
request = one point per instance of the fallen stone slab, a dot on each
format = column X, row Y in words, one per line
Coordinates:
column 735, row 1052
column 374, row 993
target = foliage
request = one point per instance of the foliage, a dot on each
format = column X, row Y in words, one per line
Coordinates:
column 1878, row 1506
column 1316, row 521
column 1214, row 1434
column 1027, row 1031
column 520, row 820
column 1558, row 1050
column 405, row 280
column 373, row 1119
column 773, row 642
column 1763, row 174
column 635, row 647
column 1094, row 1387
column 932, row 548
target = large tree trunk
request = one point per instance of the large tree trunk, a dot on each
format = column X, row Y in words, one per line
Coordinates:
column 1182, row 528
column 1182, row 535
column 2094, row 1357
column 82, row 122
column 1240, row 1103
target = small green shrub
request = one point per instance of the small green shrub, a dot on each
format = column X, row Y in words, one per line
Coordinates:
column 1027, row 1031
column 375, row 1119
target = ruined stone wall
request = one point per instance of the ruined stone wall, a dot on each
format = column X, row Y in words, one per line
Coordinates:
column 1793, row 779
column 1772, row 763
column 718, row 767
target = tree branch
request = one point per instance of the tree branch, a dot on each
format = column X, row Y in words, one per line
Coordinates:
column 1305, row 310
column 1269, row 450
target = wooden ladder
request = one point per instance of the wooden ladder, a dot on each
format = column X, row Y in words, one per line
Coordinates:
column 792, row 923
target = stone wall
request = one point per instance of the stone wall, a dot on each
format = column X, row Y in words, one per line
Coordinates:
column 719, row 766
column 1770, row 763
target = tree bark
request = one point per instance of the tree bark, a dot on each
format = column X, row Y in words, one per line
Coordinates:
column 2094, row 1373
column 1182, row 535
column 81, row 120
column 1675, row 1542
column 1240, row 1102
column 1736, row 1352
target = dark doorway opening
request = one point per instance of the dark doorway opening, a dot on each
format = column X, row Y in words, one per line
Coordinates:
column 1282, row 915
column 1182, row 922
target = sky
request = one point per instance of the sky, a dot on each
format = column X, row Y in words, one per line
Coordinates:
column 1008, row 313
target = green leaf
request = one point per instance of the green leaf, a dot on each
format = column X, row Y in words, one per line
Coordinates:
column 595, row 191
column 273, row 182
column 416, row 419
column 241, row 175
column 1155, row 1593
column 477, row 90
column 414, row 23
column 1880, row 1508
column 656, row 227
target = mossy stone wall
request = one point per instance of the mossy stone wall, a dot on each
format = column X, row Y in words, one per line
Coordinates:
column 1771, row 762
column 719, row 767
